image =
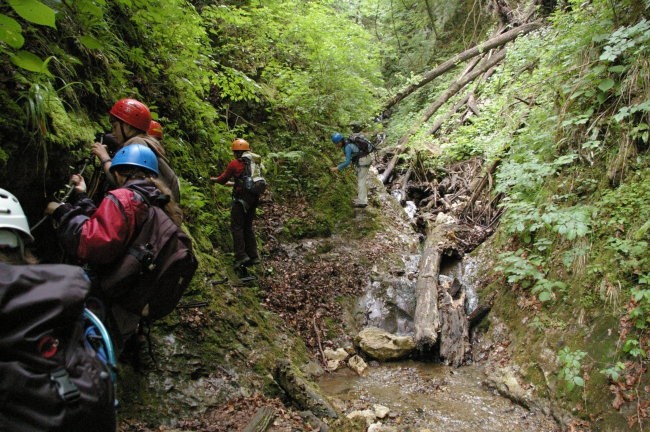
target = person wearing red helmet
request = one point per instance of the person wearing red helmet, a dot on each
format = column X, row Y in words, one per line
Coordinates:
column 155, row 130
column 242, row 211
column 130, row 120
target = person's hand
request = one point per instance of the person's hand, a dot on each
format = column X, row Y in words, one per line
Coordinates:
column 334, row 169
column 51, row 206
column 99, row 150
column 213, row 179
column 79, row 183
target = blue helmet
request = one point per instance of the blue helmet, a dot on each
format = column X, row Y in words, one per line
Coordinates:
column 337, row 138
column 136, row 155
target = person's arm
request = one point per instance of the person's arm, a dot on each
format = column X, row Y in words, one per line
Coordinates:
column 348, row 158
column 229, row 173
column 100, row 238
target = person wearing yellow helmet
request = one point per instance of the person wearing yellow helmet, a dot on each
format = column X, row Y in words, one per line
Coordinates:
column 244, row 204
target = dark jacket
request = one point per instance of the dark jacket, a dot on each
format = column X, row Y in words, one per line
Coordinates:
column 100, row 235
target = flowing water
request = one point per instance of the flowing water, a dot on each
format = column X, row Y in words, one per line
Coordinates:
column 425, row 396
column 433, row 397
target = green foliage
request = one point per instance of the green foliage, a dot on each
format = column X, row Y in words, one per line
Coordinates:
column 614, row 372
column 570, row 364
column 528, row 271
column 33, row 12
column 307, row 63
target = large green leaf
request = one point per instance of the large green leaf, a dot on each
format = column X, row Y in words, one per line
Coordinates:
column 30, row 62
column 90, row 42
column 11, row 32
column 34, row 11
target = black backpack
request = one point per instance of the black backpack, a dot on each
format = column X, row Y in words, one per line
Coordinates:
column 365, row 146
column 152, row 277
column 50, row 378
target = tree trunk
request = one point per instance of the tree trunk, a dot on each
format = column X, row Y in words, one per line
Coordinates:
column 457, row 86
column 451, row 91
column 465, row 55
column 426, row 319
column 454, row 331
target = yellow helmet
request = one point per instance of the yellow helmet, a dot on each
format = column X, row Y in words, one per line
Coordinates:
column 240, row 144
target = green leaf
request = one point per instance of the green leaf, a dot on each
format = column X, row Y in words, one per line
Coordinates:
column 34, row 11
column 11, row 32
column 545, row 296
column 617, row 69
column 606, row 84
column 90, row 42
column 30, row 62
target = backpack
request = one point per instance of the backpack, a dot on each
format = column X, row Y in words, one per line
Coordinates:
column 249, row 182
column 157, row 269
column 365, row 146
column 52, row 380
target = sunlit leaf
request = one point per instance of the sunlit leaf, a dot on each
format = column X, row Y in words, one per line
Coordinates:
column 34, row 11
column 11, row 32
column 90, row 42
column 30, row 62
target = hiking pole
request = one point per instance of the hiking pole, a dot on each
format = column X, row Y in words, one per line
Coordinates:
column 66, row 196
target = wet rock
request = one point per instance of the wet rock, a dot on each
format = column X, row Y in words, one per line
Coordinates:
column 380, row 411
column 312, row 369
column 382, row 345
column 357, row 364
column 505, row 381
column 303, row 393
column 367, row 414
column 333, row 365
column 339, row 354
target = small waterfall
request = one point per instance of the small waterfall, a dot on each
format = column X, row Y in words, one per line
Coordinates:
column 389, row 302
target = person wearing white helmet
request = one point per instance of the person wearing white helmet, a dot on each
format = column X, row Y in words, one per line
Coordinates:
column 14, row 231
column 41, row 342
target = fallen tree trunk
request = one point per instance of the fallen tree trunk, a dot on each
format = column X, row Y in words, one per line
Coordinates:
column 427, row 319
column 465, row 55
column 451, row 91
column 458, row 85
column 454, row 331
column 442, row 240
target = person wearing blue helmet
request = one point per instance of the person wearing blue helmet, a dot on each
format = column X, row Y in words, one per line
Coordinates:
column 100, row 236
column 360, row 160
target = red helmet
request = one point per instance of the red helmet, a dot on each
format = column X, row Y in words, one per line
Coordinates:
column 155, row 130
column 132, row 112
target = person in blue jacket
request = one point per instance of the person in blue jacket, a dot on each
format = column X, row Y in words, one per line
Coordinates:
column 361, row 162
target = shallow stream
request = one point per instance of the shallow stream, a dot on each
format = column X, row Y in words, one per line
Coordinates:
column 431, row 397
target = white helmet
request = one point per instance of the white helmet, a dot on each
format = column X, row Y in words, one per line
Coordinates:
column 12, row 215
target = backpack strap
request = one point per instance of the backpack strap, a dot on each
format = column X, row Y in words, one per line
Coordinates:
column 66, row 389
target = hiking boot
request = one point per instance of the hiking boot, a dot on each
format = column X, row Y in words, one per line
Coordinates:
column 252, row 262
column 243, row 262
